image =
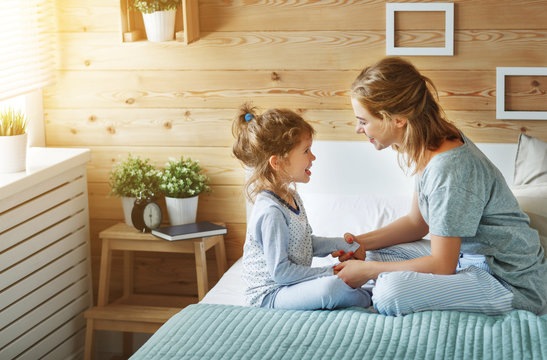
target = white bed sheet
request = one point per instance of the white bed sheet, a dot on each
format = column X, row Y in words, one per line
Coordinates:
column 230, row 289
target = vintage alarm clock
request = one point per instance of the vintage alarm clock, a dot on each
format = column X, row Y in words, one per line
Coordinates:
column 146, row 214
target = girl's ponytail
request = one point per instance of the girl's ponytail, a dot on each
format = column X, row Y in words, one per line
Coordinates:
column 242, row 148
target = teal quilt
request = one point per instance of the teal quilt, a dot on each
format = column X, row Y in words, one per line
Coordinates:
column 204, row 331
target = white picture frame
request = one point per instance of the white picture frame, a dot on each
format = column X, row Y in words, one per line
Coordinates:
column 447, row 50
column 501, row 73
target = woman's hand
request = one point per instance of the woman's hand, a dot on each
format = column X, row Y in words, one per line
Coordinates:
column 355, row 273
column 358, row 254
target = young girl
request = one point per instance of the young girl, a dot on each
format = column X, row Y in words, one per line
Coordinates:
column 483, row 256
column 279, row 245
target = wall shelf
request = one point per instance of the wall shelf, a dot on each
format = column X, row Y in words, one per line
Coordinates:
column 186, row 23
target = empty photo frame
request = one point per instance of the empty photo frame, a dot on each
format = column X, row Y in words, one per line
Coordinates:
column 447, row 50
column 501, row 112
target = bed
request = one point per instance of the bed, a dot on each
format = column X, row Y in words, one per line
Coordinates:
column 372, row 194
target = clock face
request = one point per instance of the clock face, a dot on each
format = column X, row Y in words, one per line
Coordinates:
column 152, row 215
column 146, row 215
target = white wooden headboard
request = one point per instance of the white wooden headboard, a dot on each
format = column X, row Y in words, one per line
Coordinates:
column 356, row 167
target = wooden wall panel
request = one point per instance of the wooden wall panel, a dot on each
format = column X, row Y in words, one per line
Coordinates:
column 303, row 15
column 220, row 165
column 184, row 90
column 204, row 131
column 474, row 50
column 162, row 100
column 143, row 127
column 88, row 16
column 280, row 15
column 224, row 204
column 526, row 93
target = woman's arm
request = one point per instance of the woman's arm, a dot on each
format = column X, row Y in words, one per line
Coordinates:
column 442, row 261
column 408, row 228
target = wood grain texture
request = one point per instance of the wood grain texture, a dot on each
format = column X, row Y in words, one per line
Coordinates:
column 276, row 15
column 223, row 89
column 283, row 15
column 526, row 93
column 217, row 163
column 319, row 50
column 64, row 129
column 224, row 204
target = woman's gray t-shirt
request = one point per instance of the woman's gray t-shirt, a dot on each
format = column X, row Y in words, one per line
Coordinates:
column 462, row 194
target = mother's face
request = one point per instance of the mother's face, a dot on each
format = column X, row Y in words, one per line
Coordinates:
column 382, row 134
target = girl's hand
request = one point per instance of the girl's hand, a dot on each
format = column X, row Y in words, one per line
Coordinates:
column 358, row 254
column 353, row 272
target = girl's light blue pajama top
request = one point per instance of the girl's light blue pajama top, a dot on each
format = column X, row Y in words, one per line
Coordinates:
column 279, row 247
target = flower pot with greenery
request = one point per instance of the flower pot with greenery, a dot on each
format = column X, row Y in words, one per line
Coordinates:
column 13, row 141
column 181, row 182
column 131, row 179
column 159, row 18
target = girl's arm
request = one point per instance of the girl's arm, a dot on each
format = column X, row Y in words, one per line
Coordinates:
column 323, row 246
column 442, row 261
column 275, row 240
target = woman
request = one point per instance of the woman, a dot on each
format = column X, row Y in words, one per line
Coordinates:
column 482, row 255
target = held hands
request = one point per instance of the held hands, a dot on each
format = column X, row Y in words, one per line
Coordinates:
column 358, row 254
column 353, row 272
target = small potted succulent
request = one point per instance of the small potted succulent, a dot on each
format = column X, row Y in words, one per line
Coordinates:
column 159, row 18
column 181, row 182
column 13, row 141
column 134, row 178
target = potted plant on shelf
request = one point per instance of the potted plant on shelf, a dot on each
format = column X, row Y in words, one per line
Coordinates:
column 131, row 179
column 181, row 182
column 13, row 141
column 158, row 17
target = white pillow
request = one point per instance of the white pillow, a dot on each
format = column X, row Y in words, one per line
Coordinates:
column 532, row 199
column 530, row 161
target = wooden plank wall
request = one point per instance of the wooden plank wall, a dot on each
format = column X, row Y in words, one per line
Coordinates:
column 163, row 100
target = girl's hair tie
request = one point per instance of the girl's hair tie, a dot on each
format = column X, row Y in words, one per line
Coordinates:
column 249, row 117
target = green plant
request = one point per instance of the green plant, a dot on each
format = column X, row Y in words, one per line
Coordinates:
column 12, row 123
column 183, row 178
column 135, row 177
column 150, row 6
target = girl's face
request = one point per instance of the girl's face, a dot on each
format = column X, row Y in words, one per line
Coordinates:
column 381, row 134
column 299, row 161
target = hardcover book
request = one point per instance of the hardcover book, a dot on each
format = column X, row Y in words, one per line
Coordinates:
column 189, row 231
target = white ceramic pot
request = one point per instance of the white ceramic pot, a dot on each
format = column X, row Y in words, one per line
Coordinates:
column 13, row 153
column 182, row 211
column 127, row 204
column 160, row 25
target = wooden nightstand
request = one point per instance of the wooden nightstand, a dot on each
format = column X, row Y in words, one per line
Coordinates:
column 137, row 312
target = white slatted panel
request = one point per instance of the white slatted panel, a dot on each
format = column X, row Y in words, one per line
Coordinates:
column 45, row 278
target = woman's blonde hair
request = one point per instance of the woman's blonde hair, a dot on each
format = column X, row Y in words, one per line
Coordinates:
column 258, row 137
column 394, row 87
